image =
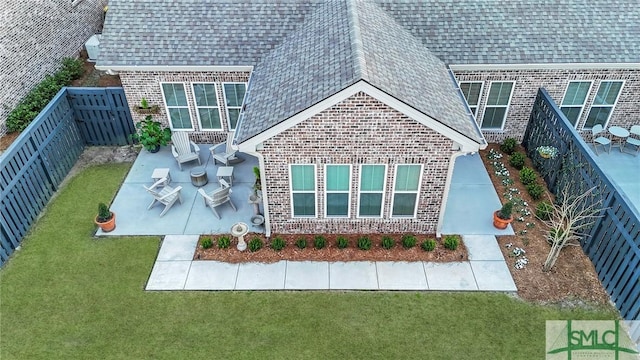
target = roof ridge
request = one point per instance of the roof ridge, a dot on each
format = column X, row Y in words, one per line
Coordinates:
column 357, row 48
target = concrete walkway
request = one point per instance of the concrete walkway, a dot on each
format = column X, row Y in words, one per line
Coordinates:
column 486, row 270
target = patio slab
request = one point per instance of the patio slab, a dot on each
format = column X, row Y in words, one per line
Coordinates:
column 623, row 170
column 450, row 276
column 355, row 275
column 260, row 276
column 211, row 275
column 178, row 247
column 168, row 275
column 482, row 247
column 493, row 276
column 307, row 275
column 401, row 275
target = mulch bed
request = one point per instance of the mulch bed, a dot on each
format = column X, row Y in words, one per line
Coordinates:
column 331, row 252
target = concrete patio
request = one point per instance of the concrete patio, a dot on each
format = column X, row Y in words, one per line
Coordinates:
column 624, row 170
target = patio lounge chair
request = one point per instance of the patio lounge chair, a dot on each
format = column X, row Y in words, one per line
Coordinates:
column 596, row 130
column 633, row 139
column 183, row 149
column 165, row 195
column 228, row 154
column 218, row 197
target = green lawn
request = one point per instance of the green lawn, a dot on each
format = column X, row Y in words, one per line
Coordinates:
column 67, row 295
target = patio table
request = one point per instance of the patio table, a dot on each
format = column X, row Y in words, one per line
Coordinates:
column 620, row 134
column 161, row 173
column 225, row 172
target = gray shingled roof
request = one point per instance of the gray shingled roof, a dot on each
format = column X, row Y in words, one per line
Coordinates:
column 524, row 32
column 340, row 43
column 196, row 32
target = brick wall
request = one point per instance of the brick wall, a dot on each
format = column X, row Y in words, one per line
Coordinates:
column 34, row 37
column 527, row 82
column 146, row 84
column 359, row 130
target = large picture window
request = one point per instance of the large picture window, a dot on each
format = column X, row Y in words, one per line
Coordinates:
column 495, row 112
column 574, row 100
column 233, row 95
column 207, row 106
column 371, row 190
column 337, row 190
column 175, row 98
column 603, row 104
column 405, row 190
column 303, row 190
column 472, row 92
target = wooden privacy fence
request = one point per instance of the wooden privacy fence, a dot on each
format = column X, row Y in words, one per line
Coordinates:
column 35, row 165
column 613, row 244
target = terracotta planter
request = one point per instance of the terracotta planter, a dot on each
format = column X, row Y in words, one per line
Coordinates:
column 108, row 225
column 501, row 223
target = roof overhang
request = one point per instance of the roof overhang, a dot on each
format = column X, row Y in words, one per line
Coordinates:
column 464, row 143
column 174, row 68
column 550, row 66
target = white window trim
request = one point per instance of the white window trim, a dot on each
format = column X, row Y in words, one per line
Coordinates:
column 417, row 192
column 315, row 192
column 226, row 108
column 504, row 119
column 475, row 114
column 584, row 104
column 613, row 107
column 195, row 103
column 166, row 106
column 383, row 192
column 348, row 192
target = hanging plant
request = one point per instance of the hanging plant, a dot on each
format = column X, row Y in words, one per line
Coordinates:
column 547, row 152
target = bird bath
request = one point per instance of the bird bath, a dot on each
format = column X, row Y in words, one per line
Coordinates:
column 239, row 230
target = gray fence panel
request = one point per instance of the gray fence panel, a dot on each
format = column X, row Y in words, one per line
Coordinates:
column 613, row 244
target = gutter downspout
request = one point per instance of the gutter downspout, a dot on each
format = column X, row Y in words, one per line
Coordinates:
column 447, row 187
column 263, row 185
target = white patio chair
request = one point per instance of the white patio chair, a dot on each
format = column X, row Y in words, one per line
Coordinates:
column 183, row 149
column 163, row 194
column 218, row 197
column 597, row 139
column 633, row 140
column 228, row 154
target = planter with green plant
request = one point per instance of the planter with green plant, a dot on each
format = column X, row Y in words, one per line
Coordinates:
column 145, row 108
column 503, row 217
column 105, row 219
column 151, row 134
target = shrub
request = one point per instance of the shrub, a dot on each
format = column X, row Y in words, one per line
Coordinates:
column 428, row 245
column 342, row 242
column 206, row 243
column 364, row 243
column 20, row 117
column 528, row 176
column 301, row 243
column 451, row 242
column 104, row 214
column 505, row 212
column 544, row 209
column 408, row 241
column 255, row 244
column 508, row 146
column 517, row 160
column 278, row 243
column 224, row 242
column 319, row 242
column 535, row 190
column 388, row 242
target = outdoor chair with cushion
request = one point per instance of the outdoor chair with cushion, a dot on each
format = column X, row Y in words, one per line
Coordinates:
column 218, row 197
column 633, row 140
column 229, row 153
column 163, row 194
column 183, row 149
column 598, row 139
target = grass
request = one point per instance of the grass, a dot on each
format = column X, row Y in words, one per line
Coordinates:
column 68, row 295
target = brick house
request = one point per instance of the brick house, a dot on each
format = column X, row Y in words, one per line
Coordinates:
column 34, row 37
column 356, row 109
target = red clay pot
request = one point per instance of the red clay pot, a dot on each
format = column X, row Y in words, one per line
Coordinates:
column 108, row 225
column 501, row 223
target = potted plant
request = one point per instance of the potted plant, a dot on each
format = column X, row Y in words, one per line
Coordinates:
column 151, row 134
column 503, row 217
column 547, row 152
column 105, row 219
column 145, row 108
column 257, row 186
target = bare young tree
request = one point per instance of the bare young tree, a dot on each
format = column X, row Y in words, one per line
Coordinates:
column 568, row 220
